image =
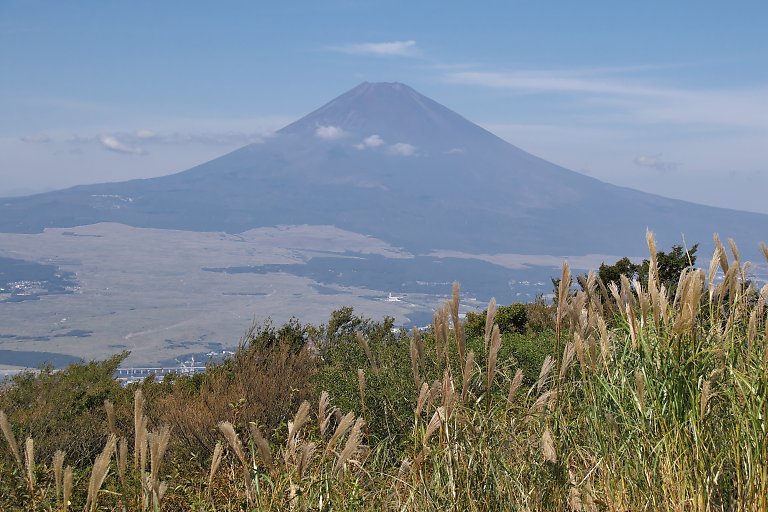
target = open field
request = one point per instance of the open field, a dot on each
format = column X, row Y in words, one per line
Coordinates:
column 145, row 290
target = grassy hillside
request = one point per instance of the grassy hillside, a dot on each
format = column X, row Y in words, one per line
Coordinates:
column 620, row 396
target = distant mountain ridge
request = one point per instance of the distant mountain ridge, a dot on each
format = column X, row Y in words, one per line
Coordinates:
column 386, row 161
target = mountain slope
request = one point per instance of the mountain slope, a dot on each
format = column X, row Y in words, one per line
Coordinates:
column 386, row 161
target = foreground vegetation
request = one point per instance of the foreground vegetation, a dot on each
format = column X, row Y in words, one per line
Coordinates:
column 626, row 395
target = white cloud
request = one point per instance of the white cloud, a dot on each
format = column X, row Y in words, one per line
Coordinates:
column 329, row 132
column 574, row 81
column 145, row 134
column 372, row 141
column 655, row 162
column 111, row 143
column 402, row 149
column 386, row 49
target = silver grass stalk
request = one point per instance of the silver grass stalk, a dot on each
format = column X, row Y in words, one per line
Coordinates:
column 143, row 444
column 562, row 296
column 324, row 412
column 157, row 447
column 651, row 241
column 422, row 400
column 548, row 446
column 215, row 462
column 640, row 390
column 605, row 345
column 122, row 458
column 232, row 438
column 432, row 426
column 5, row 426
column 721, row 253
column 110, row 409
column 363, row 341
column 734, row 251
column 492, row 356
column 138, row 432
column 99, row 472
column 361, row 387
column 351, row 446
column 29, row 458
column 713, row 263
column 490, row 318
column 466, row 375
column 415, row 364
column 419, row 347
column 568, row 354
column 307, row 453
column 542, row 402
column 299, row 420
column 764, row 249
column 58, row 471
column 458, row 329
column 67, row 492
column 706, row 393
column 751, row 330
column 448, row 392
column 344, row 425
column 265, row 454
column 514, row 386
column 546, row 367
column 405, row 469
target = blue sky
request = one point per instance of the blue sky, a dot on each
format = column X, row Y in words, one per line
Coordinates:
column 667, row 97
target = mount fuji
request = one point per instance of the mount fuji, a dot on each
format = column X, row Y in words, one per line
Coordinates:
column 385, row 161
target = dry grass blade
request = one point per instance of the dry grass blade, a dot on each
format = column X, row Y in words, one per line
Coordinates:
column 10, row 439
column 764, row 249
